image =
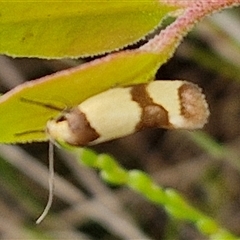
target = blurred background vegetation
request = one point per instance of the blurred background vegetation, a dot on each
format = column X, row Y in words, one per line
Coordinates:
column 206, row 171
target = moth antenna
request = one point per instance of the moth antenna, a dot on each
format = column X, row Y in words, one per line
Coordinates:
column 29, row 132
column 46, row 105
column 50, row 183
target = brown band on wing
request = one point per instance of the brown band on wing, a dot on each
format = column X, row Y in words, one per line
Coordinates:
column 82, row 131
column 193, row 104
column 153, row 115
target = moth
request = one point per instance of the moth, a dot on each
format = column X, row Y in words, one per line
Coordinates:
column 121, row 111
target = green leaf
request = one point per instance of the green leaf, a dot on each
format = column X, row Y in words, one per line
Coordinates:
column 58, row 29
column 23, row 121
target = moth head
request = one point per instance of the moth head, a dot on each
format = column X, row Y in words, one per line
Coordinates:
column 71, row 127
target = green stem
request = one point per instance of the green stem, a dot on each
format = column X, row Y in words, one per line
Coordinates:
column 142, row 183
